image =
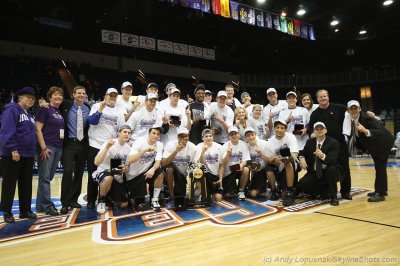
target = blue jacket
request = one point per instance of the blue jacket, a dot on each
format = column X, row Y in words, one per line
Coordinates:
column 18, row 132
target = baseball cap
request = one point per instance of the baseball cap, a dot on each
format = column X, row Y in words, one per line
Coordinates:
column 248, row 129
column 353, row 102
column 206, row 131
column 183, row 130
column 126, row 84
column 169, row 87
column 232, row 129
column 271, row 90
column 150, row 96
column 207, row 92
column 244, row 94
column 111, row 90
column 280, row 122
column 222, row 93
column 152, row 85
column 173, row 89
column 291, row 93
column 319, row 124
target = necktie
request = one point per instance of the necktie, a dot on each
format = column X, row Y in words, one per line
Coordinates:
column 79, row 124
column 318, row 164
column 352, row 141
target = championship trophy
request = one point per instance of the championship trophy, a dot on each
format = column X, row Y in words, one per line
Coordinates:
column 197, row 194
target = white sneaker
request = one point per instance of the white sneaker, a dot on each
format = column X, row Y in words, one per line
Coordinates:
column 155, row 205
column 241, row 195
column 101, row 207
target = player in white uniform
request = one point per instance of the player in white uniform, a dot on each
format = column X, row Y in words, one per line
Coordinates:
column 272, row 110
column 125, row 102
column 221, row 118
column 209, row 153
column 111, row 182
column 177, row 156
column 165, row 103
column 233, row 165
column 284, row 147
column 144, row 166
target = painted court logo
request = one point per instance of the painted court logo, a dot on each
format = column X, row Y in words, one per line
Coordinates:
column 126, row 226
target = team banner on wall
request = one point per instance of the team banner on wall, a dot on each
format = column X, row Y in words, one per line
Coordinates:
column 208, row 54
column 181, row 49
column 165, row 46
column 108, row 36
column 129, row 40
column 195, row 51
column 147, row 43
column 251, row 16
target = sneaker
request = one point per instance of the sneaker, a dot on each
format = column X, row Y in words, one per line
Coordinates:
column 274, row 195
column 288, row 200
column 171, row 204
column 101, row 207
column 155, row 205
column 241, row 195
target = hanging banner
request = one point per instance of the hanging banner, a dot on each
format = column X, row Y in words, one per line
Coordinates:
column 283, row 24
column 276, row 22
column 205, row 6
column 260, row 18
column 311, row 33
column 304, row 31
column 147, row 43
column 225, row 8
column 216, row 7
column 234, row 10
column 208, row 54
column 181, row 49
column 195, row 51
column 296, row 29
column 129, row 40
column 268, row 20
column 251, row 16
column 165, row 46
column 242, row 13
column 108, row 36
column 289, row 26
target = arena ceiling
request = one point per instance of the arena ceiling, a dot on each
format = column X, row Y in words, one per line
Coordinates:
column 239, row 48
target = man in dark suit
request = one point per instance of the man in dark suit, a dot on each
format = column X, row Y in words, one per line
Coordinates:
column 378, row 141
column 319, row 158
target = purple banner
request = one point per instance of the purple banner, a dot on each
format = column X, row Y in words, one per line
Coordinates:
column 234, row 10
column 205, row 6
column 304, row 31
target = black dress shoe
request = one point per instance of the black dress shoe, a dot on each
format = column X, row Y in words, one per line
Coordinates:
column 28, row 215
column 376, row 197
column 8, row 218
column 334, row 202
column 64, row 210
column 52, row 211
column 91, row 205
column 347, row 196
column 75, row 205
column 372, row 193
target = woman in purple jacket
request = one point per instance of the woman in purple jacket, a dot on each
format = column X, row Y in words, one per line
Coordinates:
column 17, row 149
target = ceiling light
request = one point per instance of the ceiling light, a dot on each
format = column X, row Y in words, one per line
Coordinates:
column 301, row 11
column 387, row 2
column 260, row 1
column 362, row 31
column 334, row 21
column 336, row 30
column 283, row 14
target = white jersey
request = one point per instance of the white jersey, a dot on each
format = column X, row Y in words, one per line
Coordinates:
column 172, row 133
column 240, row 153
column 255, row 156
column 116, row 151
column 182, row 158
column 288, row 141
column 126, row 105
column 167, row 102
column 275, row 109
column 146, row 160
column 262, row 129
column 228, row 116
column 212, row 157
column 141, row 121
column 301, row 116
column 110, row 120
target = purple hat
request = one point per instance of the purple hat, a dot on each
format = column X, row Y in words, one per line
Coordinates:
column 25, row 90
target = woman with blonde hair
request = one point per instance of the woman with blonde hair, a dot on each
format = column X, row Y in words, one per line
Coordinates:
column 242, row 121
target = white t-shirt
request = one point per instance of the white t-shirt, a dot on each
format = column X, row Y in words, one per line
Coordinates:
column 288, row 141
column 141, row 120
column 240, row 153
column 182, row 158
column 126, row 105
column 172, row 133
column 300, row 116
column 116, row 151
column 228, row 116
column 146, row 160
column 262, row 130
column 255, row 156
column 212, row 156
column 110, row 120
column 167, row 102
column 275, row 109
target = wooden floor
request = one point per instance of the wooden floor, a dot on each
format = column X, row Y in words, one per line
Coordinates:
column 361, row 232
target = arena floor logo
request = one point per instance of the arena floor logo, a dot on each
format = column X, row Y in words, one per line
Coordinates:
column 127, row 226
